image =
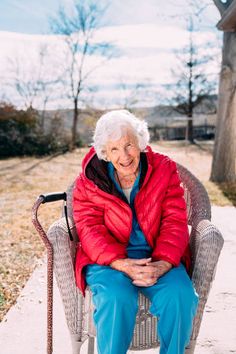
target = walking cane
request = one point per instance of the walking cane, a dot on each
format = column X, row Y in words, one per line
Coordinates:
column 41, row 200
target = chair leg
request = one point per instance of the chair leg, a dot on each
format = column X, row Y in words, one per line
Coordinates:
column 76, row 343
column 90, row 345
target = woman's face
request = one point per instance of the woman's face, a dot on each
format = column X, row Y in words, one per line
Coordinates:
column 124, row 154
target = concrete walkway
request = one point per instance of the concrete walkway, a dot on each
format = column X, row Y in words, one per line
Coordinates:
column 23, row 331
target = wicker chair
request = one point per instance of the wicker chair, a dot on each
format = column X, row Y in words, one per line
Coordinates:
column 206, row 243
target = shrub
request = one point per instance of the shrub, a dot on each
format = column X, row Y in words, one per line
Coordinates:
column 21, row 134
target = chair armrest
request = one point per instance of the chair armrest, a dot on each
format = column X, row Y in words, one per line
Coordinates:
column 206, row 244
column 63, row 253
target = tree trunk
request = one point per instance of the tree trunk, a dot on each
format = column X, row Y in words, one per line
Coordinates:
column 190, row 129
column 74, row 125
column 223, row 164
column 190, row 92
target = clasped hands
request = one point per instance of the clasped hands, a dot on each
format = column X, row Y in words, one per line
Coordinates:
column 143, row 271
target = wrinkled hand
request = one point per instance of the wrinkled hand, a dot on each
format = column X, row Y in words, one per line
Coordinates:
column 159, row 268
column 143, row 271
column 132, row 267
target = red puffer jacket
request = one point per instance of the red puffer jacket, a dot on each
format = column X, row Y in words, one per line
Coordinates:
column 104, row 220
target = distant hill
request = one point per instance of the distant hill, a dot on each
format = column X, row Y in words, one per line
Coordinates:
column 205, row 112
column 160, row 116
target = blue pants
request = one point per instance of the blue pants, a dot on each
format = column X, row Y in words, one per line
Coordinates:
column 173, row 301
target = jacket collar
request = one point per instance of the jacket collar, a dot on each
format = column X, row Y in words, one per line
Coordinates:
column 96, row 171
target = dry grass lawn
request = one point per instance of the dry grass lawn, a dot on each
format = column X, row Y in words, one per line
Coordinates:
column 23, row 179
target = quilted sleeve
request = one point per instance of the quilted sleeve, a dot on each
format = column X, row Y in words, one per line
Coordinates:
column 173, row 237
column 99, row 245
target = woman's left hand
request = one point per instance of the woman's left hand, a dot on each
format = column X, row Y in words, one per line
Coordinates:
column 159, row 269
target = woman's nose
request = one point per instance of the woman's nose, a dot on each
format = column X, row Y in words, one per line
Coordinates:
column 124, row 153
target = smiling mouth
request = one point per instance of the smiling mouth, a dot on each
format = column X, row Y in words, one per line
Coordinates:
column 127, row 164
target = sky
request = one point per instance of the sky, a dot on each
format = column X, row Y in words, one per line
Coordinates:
column 31, row 16
column 145, row 32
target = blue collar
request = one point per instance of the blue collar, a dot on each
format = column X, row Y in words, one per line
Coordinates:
column 111, row 173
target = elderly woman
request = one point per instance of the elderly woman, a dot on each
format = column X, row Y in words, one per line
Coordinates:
column 130, row 216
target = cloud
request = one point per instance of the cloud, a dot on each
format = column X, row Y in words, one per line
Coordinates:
column 145, row 36
column 146, row 56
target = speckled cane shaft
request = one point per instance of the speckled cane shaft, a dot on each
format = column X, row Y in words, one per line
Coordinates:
column 49, row 275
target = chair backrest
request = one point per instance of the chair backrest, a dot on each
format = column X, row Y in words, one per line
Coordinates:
column 196, row 197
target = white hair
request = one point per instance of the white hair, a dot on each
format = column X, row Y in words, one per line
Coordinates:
column 115, row 124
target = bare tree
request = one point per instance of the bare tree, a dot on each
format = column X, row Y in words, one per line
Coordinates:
column 223, row 165
column 193, row 83
column 28, row 77
column 78, row 29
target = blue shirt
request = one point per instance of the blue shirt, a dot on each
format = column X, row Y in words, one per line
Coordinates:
column 138, row 246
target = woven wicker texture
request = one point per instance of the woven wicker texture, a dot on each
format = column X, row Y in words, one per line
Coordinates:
column 206, row 243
